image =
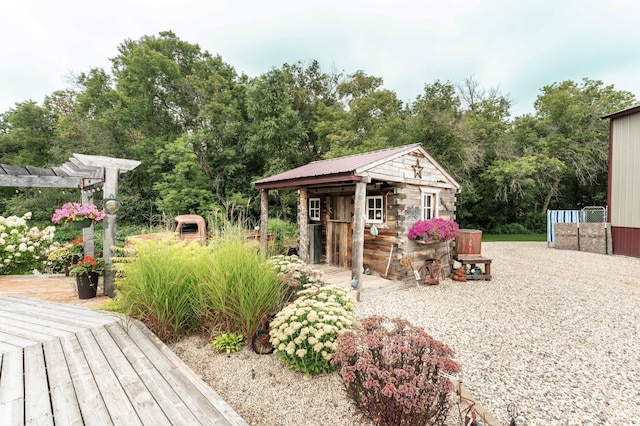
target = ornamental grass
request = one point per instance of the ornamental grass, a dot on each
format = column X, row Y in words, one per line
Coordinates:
column 240, row 288
column 160, row 286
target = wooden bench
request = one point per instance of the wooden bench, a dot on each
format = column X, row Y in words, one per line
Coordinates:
column 473, row 260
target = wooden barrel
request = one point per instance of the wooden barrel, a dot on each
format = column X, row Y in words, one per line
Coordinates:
column 469, row 241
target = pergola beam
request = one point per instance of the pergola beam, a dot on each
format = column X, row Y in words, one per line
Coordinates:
column 32, row 181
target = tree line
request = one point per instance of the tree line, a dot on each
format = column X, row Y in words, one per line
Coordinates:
column 204, row 132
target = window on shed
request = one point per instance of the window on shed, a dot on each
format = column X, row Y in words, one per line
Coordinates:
column 314, row 209
column 374, row 209
column 429, row 202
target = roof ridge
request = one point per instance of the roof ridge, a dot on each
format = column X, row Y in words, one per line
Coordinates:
column 366, row 153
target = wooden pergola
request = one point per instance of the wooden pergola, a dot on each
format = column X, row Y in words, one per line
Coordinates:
column 86, row 173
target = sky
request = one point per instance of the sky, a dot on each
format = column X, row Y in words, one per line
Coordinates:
column 515, row 46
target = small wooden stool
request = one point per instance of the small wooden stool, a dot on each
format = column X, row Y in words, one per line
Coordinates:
column 476, row 259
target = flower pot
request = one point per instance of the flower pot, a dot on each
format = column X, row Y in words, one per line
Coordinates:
column 87, row 285
column 84, row 223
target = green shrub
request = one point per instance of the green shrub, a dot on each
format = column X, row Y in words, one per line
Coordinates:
column 283, row 232
column 240, row 289
column 390, row 368
column 228, row 342
column 159, row 286
column 304, row 333
column 510, row 228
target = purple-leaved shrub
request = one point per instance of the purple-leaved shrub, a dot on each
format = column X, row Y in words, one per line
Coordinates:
column 389, row 369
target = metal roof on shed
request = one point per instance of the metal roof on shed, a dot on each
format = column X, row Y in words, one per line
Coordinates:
column 334, row 169
column 627, row 111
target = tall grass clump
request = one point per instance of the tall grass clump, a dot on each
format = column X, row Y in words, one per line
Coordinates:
column 240, row 289
column 160, row 286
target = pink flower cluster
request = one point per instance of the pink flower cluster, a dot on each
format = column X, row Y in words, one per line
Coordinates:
column 434, row 229
column 70, row 212
column 390, row 368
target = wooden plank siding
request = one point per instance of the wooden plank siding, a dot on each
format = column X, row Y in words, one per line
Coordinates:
column 399, row 199
column 79, row 366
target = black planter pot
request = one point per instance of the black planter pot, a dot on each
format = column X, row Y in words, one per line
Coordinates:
column 87, row 285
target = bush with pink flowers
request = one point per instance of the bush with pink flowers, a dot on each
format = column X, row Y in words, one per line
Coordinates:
column 70, row 212
column 390, row 368
column 435, row 229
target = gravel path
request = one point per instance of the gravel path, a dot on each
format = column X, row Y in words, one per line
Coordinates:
column 555, row 332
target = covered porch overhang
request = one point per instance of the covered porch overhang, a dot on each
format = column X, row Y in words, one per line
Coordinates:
column 302, row 185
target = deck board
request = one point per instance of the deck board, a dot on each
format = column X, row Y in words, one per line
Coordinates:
column 12, row 388
column 36, row 398
column 68, row 365
column 120, row 408
column 135, row 389
column 63, row 395
column 166, row 397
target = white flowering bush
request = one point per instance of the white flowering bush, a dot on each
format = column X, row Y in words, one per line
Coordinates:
column 296, row 274
column 304, row 333
column 23, row 250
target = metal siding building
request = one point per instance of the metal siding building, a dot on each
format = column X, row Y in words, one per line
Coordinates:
column 624, row 180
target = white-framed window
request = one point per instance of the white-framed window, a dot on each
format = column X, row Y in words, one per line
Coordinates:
column 375, row 212
column 429, row 205
column 314, row 209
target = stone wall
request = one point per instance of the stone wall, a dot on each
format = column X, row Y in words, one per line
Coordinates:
column 590, row 237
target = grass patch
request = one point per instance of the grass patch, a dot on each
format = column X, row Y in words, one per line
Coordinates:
column 490, row 238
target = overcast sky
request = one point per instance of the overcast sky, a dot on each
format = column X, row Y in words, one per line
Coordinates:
column 514, row 45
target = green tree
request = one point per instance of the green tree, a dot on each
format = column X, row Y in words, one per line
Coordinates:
column 435, row 121
column 367, row 117
column 182, row 187
column 571, row 130
column 28, row 132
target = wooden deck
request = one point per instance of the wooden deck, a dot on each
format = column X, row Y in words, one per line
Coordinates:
column 373, row 284
column 68, row 365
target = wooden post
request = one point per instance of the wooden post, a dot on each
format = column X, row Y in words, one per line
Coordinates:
column 357, row 248
column 303, row 228
column 87, row 233
column 109, row 227
column 264, row 222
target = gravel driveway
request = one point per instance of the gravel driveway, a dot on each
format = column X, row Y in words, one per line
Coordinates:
column 555, row 333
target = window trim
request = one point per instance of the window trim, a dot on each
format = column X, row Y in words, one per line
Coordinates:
column 314, row 209
column 434, row 194
column 368, row 209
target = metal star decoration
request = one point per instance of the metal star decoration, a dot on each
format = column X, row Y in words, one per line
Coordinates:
column 417, row 170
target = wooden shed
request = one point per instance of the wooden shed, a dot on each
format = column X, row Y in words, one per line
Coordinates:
column 623, row 197
column 355, row 211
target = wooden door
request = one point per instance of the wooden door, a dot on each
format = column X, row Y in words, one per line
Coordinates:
column 340, row 231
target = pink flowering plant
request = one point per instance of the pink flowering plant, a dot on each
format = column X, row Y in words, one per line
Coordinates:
column 389, row 369
column 434, row 229
column 304, row 333
column 71, row 212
